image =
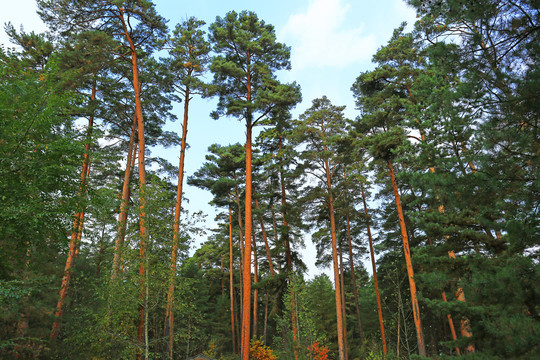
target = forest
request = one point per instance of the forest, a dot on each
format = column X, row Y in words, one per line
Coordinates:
column 425, row 206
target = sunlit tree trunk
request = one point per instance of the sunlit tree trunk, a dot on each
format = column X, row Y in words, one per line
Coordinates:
column 263, row 230
column 355, row 288
column 343, row 305
column 124, row 204
column 246, row 296
column 410, row 271
column 142, row 181
column 255, row 291
column 374, row 267
column 231, row 279
column 451, row 325
column 77, row 225
column 339, row 311
column 288, row 255
column 169, row 312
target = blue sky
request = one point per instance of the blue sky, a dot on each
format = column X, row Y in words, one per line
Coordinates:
column 332, row 42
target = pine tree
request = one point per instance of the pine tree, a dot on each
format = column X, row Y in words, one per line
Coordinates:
column 189, row 58
column 248, row 54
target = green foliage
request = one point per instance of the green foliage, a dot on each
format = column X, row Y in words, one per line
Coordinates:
column 248, row 52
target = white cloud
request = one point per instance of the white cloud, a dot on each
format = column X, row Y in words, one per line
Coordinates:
column 319, row 39
column 407, row 12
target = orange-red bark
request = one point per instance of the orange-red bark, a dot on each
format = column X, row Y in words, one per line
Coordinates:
column 124, row 204
column 169, row 312
column 355, row 288
column 339, row 311
column 231, row 279
column 142, row 178
column 410, row 271
column 343, row 306
column 77, row 227
column 374, row 267
column 255, row 291
column 263, row 230
column 246, row 296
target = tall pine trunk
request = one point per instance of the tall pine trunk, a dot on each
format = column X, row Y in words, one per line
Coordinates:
column 410, row 271
column 343, row 305
column 124, row 204
column 374, row 267
column 339, row 311
column 246, row 296
column 76, row 232
column 256, row 290
column 231, row 279
column 288, row 255
column 169, row 312
column 263, row 230
column 355, row 288
column 142, row 183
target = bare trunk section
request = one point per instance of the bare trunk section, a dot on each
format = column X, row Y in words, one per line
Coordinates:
column 288, row 255
column 169, row 312
column 451, row 324
column 343, row 306
column 265, row 318
column 246, row 296
column 339, row 311
column 124, row 204
column 263, row 230
column 241, row 248
column 355, row 288
column 77, row 226
column 284, row 213
column 374, row 267
column 231, row 279
column 256, row 290
column 142, row 181
column 410, row 271
column 464, row 323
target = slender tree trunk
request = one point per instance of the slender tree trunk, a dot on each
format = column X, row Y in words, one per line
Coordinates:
column 124, row 204
column 231, row 278
column 464, row 323
column 343, row 305
column 222, row 277
column 142, row 180
column 398, row 345
column 265, row 318
column 169, row 312
column 374, row 267
column 410, row 271
column 288, row 255
column 77, row 225
column 286, row 241
column 451, row 324
column 272, row 273
column 255, row 291
column 246, row 297
column 355, row 288
column 238, row 316
column 339, row 311
column 240, row 242
column 241, row 248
